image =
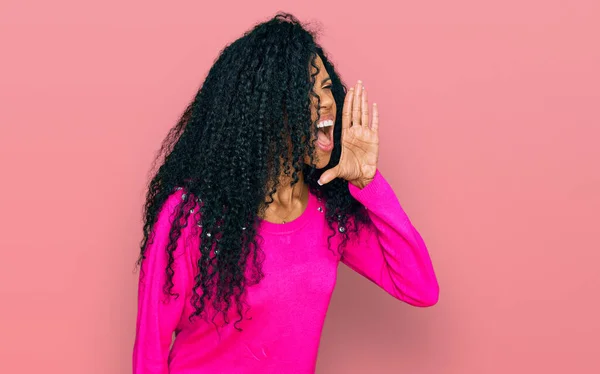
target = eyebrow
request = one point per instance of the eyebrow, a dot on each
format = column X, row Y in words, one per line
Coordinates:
column 325, row 80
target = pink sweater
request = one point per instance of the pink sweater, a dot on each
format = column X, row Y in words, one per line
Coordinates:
column 288, row 306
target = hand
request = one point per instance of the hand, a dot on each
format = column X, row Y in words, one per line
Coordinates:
column 360, row 142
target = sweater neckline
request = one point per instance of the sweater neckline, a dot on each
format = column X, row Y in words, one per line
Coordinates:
column 312, row 209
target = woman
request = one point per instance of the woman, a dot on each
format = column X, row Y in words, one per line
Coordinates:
column 267, row 184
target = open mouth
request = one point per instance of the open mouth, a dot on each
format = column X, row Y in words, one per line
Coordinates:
column 325, row 134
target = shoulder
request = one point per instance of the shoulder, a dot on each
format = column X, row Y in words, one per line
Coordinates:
column 178, row 200
column 168, row 210
column 182, row 206
column 185, row 230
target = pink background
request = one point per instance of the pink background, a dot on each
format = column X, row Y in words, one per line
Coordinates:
column 490, row 124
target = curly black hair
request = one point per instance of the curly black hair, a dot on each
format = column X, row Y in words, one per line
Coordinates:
column 255, row 98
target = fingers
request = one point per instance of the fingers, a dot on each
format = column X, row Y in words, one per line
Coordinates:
column 364, row 109
column 347, row 110
column 356, row 107
column 329, row 175
column 375, row 123
column 356, row 104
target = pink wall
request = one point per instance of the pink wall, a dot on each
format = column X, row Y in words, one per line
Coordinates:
column 490, row 120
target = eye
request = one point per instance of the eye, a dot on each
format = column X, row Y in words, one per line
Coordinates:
column 327, row 87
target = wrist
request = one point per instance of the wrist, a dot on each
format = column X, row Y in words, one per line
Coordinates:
column 362, row 182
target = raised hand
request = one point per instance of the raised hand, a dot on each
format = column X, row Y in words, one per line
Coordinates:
column 360, row 141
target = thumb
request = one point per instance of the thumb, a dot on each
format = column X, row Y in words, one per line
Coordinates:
column 329, row 175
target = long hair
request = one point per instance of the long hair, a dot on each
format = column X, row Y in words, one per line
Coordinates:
column 223, row 153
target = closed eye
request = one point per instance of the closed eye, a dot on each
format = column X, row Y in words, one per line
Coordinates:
column 327, row 87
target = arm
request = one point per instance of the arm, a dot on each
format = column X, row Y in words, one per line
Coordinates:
column 391, row 253
column 159, row 314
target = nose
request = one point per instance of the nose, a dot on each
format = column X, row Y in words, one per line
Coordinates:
column 326, row 101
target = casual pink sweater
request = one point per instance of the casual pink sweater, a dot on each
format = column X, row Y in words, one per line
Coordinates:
column 288, row 306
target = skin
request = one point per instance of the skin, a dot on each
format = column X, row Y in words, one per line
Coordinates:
column 360, row 148
column 322, row 87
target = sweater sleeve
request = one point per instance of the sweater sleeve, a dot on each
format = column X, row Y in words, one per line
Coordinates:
column 158, row 314
column 391, row 253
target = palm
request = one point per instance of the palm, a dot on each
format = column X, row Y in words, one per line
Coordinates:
column 360, row 140
column 360, row 145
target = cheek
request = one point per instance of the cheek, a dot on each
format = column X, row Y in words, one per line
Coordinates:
column 313, row 110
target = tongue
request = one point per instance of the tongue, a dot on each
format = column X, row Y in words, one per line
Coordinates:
column 324, row 137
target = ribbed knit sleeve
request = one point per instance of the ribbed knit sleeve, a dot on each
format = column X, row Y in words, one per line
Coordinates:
column 391, row 252
column 158, row 314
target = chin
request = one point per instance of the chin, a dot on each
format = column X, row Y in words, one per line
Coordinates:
column 322, row 160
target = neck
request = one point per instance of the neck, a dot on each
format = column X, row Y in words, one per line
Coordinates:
column 288, row 201
column 287, row 195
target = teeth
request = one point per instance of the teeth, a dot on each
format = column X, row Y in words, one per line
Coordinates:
column 325, row 123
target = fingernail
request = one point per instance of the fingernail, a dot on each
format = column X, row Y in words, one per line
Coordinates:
column 319, row 182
